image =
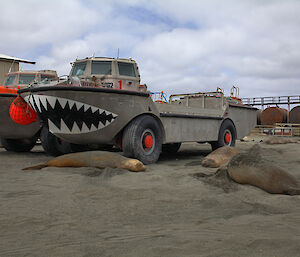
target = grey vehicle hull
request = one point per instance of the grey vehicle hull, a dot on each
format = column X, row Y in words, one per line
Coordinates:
column 10, row 129
column 83, row 115
column 88, row 115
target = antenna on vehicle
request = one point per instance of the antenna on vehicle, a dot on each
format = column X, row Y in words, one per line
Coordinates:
column 11, row 65
column 235, row 91
column 118, row 53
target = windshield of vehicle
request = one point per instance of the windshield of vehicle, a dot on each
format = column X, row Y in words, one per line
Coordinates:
column 78, row 68
column 126, row 69
column 26, row 78
column 48, row 77
column 10, row 80
column 101, row 67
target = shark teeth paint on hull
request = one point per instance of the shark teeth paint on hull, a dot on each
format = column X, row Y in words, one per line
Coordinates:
column 65, row 116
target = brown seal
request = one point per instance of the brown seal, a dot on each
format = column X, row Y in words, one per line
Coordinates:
column 250, row 168
column 219, row 157
column 97, row 159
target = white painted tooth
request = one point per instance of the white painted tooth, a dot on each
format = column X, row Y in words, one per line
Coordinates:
column 75, row 129
column 37, row 101
column 71, row 103
column 29, row 101
column 100, row 126
column 94, row 109
column 62, row 102
column 114, row 115
column 64, row 128
column 78, row 105
column 93, row 128
column 51, row 101
column 85, row 129
column 86, row 106
column 52, row 127
column 43, row 101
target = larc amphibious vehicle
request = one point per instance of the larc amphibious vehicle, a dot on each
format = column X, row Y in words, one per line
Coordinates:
column 103, row 102
column 16, row 137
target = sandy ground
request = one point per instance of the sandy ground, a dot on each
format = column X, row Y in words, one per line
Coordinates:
column 165, row 211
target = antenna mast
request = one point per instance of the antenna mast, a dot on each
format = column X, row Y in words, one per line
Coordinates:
column 11, row 65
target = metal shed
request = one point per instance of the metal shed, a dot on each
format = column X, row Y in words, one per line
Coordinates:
column 9, row 63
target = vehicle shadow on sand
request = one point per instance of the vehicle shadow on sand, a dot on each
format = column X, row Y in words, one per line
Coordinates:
column 29, row 154
column 195, row 155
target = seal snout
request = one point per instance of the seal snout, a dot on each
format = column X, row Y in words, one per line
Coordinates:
column 209, row 163
column 134, row 165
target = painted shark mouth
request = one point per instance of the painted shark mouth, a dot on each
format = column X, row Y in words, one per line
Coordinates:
column 65, row 116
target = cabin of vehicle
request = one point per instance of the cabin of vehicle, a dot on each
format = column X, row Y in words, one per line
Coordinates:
column 24, row 78
column 108, row 73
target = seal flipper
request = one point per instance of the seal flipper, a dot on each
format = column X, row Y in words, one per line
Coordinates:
column 37, row 167
column 293, row 191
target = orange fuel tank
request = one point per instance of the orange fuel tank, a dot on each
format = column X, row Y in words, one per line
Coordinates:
column 272, row 115
column 294, row 115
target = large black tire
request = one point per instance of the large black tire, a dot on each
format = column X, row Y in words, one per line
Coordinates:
column 171, row 148
column 53, row 145
column 18, row 145
column 227, row 135
column 142, row 139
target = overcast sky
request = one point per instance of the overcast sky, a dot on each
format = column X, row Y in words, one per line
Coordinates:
column 180, row 45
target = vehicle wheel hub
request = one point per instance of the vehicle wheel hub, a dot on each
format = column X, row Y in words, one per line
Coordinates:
column 148, row 141
column 227, row 137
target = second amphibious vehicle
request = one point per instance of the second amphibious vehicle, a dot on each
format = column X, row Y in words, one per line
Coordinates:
column 16, row 137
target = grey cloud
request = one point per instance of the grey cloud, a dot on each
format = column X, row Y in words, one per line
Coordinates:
column 252, row 44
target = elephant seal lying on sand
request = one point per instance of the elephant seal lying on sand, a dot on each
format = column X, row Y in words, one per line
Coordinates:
column 250, row 168
column 219, row 157
column 97, row 159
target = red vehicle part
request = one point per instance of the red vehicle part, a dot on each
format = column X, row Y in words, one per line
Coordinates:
column 21, row 112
